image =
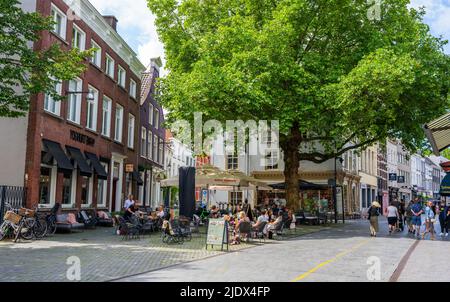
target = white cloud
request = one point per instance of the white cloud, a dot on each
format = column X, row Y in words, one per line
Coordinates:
column 136, row 25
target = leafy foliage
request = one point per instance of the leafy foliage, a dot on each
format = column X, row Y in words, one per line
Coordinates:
column 24, row 71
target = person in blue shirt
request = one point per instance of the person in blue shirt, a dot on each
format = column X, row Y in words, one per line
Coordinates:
column 444, row 218
column 429, row 220
column 416, row 221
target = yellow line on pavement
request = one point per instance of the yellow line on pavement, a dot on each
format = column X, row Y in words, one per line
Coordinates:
column 340, row 255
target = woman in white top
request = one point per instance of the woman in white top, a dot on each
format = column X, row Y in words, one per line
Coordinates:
column 392, row 216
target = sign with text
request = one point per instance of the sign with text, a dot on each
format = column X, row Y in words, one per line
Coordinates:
column 217, row 232
column 401, row 179
column 393, row 176
column 81, row 138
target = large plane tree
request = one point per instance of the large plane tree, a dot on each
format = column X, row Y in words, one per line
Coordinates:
column 336, row 74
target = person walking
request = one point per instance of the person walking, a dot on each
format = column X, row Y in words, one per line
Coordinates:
column 374, row 212
column 408, row 218
column 444, row 218
column 392, row 216
column 429, row 220
column 417, row 211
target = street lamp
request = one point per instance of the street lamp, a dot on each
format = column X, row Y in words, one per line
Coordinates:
column 341, row 160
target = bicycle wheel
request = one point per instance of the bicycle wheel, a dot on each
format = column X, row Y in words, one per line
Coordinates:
column 51, row 227
column 4, row 230
column 40, row 228
column 25, row 229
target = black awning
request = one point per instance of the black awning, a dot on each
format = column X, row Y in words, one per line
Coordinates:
column 82, row 164
column 98, row 167
column 137, row 177
column 445, row 186
column 302, row 185
column 55, row 150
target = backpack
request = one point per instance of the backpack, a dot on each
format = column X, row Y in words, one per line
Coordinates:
column 373, row 211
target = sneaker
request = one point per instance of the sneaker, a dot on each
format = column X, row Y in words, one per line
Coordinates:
column 446, row 234
column 441, row 234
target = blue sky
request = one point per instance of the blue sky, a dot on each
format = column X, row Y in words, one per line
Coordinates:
column 136, row 23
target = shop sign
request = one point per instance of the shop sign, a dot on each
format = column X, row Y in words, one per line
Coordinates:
column 401, row 179
column 81, row 138
column 129, row 168
column 392, row 176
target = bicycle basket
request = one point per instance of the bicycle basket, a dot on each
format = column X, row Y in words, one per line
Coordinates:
column 12, row 217
column 26, row 212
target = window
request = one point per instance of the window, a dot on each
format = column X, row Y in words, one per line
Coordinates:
column 232, row 162
column 97, row 55
column 156, row 118
column 92, row 107
column 133, row 89
column 160, row 155
column 60, row 22
column 78, row 38
column 155, row 148
column 106, row 126
column 150, row 145
column 85, row 190
column 74, row 110
column 143, row 142
column 67, row 190
column 150, row 114
column 50, row 104
column 119, row 124
column 102, row 187
column 121, row 76
column 45, row 181
column 272, row 159
column 131, row 122
column 110, row 66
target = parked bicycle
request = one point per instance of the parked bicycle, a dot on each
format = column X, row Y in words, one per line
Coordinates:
column 17, row 225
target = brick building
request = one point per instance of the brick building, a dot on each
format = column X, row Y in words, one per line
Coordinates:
column 81, row 152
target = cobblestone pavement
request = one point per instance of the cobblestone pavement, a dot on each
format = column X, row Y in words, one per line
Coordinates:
column 105, row 256
column 344, row 254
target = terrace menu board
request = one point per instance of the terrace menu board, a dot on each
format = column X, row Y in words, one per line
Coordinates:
column 217, row 232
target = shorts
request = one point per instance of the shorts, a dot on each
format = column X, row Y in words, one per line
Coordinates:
column 416, row 220
column 392, row 220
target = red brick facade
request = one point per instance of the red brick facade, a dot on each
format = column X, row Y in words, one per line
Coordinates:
column 44, row 125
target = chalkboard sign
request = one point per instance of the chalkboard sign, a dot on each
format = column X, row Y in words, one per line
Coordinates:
column 217, row 232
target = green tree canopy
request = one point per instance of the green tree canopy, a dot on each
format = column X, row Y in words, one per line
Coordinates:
column 24, row 71
column 331, row 75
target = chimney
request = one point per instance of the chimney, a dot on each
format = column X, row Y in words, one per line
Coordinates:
column 112, row 21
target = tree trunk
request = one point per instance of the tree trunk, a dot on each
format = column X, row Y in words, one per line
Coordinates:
column 290, row 146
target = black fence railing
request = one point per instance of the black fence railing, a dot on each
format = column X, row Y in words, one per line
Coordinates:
column 14, row 196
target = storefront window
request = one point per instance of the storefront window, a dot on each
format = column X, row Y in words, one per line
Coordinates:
column 44, row 186
column 85, row 190
column 67, row 190
column 101, row 190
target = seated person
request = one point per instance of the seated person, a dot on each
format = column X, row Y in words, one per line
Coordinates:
column 214, row 212
column 272, row 225
column 261, row 218
column 129, row 212
column 241, row 218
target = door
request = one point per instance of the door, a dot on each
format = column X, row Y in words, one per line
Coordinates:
column 114, row 194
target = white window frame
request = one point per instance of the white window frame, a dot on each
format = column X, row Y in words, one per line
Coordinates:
column 53, row 179
column 150, row 114
column 97, row 56
column 104, row 188
column 63, row 29
column 110, row 66
column 150, row 145
column 89, row 188
column 133, row 89
column 121, row 76
column 131, row 127
column 73, row 191
column 106, row 128
column 50, row 105
column 92, row 113
column 77, row 98
column 160, row 151
column 232, row 161
column 155, row 148
column 82, row 36
column 156, row 118
column 143, row 150
column 118, row 124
